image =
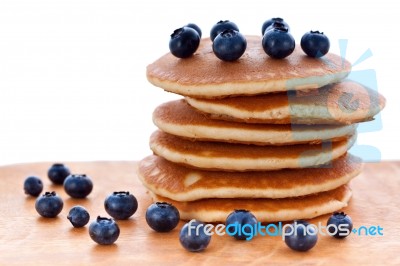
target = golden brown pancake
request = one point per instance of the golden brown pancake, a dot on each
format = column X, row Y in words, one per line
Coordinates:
column 178, row 118
column 180, row 183
column 345, row 102
column 203, row 75
column 242, row 157
column 265, row 210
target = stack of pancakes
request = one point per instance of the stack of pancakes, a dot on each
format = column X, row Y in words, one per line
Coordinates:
column 266, row 135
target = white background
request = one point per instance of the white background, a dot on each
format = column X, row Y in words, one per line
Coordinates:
column 72, row 73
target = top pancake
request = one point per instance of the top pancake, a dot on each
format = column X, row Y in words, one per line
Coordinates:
column 203, row 75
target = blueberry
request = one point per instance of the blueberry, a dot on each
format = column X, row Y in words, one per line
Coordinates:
column 184, row 42
column 57, row 173
column 78, row 216
column 104, row 231
column 33, row 186
column 301, row 236
column 315, row 44
column 78, row 186
column 121, row 205
column 229, row 45
column 193, row 236
column 273, row 22
column 49, row 205
column 278, row 43
column 339, row 225
column 221, row 26
column 195, row 27
column 162, row 216
column 238, row 224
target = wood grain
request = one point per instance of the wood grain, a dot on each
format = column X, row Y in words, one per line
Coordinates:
column 28, row 239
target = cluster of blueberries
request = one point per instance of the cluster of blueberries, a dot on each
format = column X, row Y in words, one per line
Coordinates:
column 229, row 44
column 160, row 216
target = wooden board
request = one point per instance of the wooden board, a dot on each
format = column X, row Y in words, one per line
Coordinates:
column 28, row 239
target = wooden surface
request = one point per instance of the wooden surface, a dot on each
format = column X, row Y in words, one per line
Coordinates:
column 28, row 239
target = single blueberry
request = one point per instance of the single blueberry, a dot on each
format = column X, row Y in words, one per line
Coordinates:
column 49, row 205
column 240, row 224
column 339, row 225
column 301, row 236
column 104, row 231
column 229, row 45
column 221, row 26
column 78, row 186
column 278, row 43
column 78, row 216
column 193, row 236
column 162, row 216
column 195, row 27
column 58, row 172
column 273, row 22
column 315, row 44
column 121, row 205
column 33, row 186
column 184, row 42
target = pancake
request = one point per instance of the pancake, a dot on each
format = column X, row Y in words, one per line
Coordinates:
column 203, row 75
column 180, row 183
column 178, row 118
column 241, row 157
column 346, row 102
column 265, row 210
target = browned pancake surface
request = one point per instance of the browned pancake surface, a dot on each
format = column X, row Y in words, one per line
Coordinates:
column 160, row 175
column 180, row 113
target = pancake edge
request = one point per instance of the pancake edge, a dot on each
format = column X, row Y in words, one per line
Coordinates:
column 251, row 164
column 281, row 215
column 254, row 136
